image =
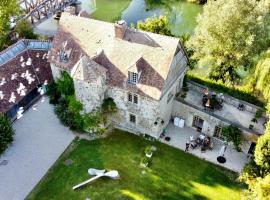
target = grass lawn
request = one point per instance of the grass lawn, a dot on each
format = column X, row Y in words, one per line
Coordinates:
column 172, row 175
column 110, row 10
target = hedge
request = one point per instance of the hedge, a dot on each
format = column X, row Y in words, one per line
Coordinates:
column 239, row 94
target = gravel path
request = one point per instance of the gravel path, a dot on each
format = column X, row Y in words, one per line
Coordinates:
column 39, row 140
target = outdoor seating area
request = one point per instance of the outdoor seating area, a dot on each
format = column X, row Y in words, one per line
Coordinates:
column 204, row 146
column 237, row 115
column 212, row 101
column 202, row 141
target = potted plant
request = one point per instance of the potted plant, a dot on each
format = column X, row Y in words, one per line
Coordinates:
column 148, row 151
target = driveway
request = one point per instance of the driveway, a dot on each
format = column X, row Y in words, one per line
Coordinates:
column 39, row 140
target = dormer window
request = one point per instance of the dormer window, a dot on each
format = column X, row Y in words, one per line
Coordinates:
column 63, row 56
column 132, row 77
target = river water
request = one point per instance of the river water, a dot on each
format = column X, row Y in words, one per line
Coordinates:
column 182, row 15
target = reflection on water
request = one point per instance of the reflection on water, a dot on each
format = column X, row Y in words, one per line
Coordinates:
column 137, row 11
column 182, row 15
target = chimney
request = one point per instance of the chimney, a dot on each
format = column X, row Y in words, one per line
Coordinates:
column 120, row 28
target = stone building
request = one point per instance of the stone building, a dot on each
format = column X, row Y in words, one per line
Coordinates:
column 141, row 71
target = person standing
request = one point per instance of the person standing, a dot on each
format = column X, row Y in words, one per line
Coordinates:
column 187, row 146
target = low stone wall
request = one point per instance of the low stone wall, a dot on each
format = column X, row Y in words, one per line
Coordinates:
column 228, row 99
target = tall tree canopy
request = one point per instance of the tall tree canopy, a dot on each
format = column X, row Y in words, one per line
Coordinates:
column 262, row 75
column 8, row 8
column 158, row 25
column 230, row 33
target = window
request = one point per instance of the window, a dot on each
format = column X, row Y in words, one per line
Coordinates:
column 133, row 98
column 132, row 77
column 130, row 97
column 198, row 123
column 218, row 132
column 132, row 118
column 169, row 97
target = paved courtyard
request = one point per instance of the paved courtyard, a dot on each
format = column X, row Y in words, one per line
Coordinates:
column 179, row 137
column 39, row 140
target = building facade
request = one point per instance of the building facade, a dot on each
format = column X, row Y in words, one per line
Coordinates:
column 141, row 71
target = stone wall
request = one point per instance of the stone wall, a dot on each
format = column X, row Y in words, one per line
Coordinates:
column 56, row 71
column 228, row 99
column 146, row 112
column 177, row 69
column 90, row 94
column 188, row 112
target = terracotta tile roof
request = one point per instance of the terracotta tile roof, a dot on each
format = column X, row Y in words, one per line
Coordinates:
column 153, row 53
column 12, row 72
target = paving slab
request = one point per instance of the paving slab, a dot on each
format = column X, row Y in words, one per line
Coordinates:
column 38, row 142
column 235, row 161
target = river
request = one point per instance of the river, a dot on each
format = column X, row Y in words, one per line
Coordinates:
column 182, row 15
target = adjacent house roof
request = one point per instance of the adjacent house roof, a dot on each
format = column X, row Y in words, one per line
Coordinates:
column 23, row 66
column 152, row 53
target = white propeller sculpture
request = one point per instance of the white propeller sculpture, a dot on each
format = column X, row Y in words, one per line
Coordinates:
column 97, row 174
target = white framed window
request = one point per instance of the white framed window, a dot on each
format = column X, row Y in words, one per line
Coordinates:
column 132, row 77
column 132, row 118
column 132, row 98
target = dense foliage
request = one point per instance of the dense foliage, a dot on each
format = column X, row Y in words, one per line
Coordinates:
column 229, row 35
column 219, row 87
column 159, row 25
column 262, row 151
column 257, row 173
column 233, row 134
column 198, row 1
column 8, row 8
column 6, row 133
column 70, row 111
column 109, row 106
column 262, row 74
column 25, row 30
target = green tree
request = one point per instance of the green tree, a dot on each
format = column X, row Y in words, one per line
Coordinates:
column 233, row 134
column 262, row 75
column 8, row 8
column 6, row 133
column 262, row 151
column 159, row 25
column 229, row 34
column 25, row 30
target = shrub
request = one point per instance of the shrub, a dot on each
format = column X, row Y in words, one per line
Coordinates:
column 65, row 84
column 25, row 30
column 53, row 93
column 6, row 133
column 233, row 134
column 109, row 106
column 242, row 95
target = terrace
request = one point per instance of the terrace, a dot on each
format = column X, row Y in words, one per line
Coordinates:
column 229, row 113
column 179, row 136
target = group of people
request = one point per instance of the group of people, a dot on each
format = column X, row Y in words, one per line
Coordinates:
column 202, row 140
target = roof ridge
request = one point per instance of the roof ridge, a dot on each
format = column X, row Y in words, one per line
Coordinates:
column 111, row 23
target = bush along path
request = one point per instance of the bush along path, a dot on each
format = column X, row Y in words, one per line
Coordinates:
column 6, row 133
column 70, row 111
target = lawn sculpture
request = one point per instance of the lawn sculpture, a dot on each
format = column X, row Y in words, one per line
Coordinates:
column 97, row 174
